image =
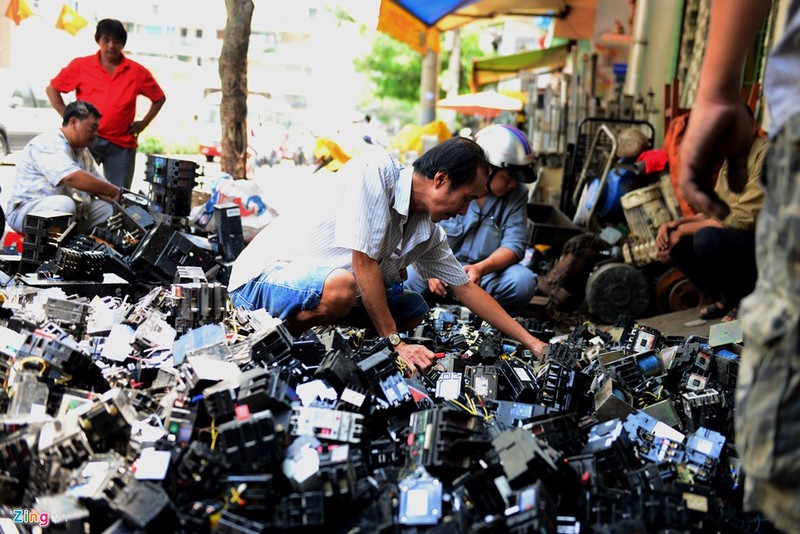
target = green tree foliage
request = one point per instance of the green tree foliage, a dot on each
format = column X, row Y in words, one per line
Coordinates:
column 341, row 14
column 392, row 68
column 394, row 71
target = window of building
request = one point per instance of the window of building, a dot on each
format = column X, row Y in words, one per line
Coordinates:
column 184, row 32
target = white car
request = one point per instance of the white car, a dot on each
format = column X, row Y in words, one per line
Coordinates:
column 25, row 111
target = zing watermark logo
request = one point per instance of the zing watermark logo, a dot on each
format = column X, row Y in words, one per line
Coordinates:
column 30, row 517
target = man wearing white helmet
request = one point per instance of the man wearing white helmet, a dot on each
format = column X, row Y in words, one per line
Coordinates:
column 490, row 239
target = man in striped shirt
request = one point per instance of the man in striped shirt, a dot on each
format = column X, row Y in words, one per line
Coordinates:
column 57, row 172
column 344, row 259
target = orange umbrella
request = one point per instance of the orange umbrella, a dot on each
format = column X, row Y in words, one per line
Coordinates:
column 486, row 103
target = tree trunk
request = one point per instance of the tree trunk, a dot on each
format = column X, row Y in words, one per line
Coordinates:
column 233, row 79
column 429, row 87
column 454, row 66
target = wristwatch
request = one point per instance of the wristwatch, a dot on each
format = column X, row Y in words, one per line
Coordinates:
column 394, row 339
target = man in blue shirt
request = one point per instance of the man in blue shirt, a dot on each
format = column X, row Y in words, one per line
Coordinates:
column 490, row 239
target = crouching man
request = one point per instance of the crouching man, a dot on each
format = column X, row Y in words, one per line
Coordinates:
column 57, row 172
column 341, row 257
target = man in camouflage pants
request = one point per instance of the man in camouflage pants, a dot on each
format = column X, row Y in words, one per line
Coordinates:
column 768, row 387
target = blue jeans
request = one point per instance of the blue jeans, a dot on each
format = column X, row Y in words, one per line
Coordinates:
column 286, row 289
column 118, row 162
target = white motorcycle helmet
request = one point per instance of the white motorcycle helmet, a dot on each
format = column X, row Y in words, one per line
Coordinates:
column 508, row 148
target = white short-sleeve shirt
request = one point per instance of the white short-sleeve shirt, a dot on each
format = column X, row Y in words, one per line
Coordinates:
column 46, row 160
column 364, row 207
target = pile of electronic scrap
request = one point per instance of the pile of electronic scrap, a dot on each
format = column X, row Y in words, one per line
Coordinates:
column 177, row 412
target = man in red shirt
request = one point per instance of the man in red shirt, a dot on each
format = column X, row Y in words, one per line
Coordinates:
column 111, row 82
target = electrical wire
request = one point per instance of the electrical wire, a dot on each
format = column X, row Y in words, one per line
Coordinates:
column 460, row 405
column 486, row 415
column 471, row 404
column 35, row 359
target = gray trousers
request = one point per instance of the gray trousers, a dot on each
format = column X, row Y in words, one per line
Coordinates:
column 118, row 162
column 96, row 213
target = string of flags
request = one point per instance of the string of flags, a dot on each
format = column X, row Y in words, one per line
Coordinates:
column 18, row 10
column 68, row 19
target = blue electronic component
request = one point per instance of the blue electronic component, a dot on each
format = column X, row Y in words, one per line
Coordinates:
column 650, row 364
column 703, row 452
column 420, row 501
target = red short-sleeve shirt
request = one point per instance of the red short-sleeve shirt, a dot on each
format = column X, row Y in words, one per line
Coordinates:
column 114, row 96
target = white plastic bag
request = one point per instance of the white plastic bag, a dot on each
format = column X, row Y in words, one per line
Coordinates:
column 246, row 194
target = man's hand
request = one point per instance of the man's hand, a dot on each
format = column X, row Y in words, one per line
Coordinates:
column 538, row 348
column 717, row 129
column 662, row 237
column 417, row 357
column 474, row 273
column 137, row 127
column 437, row 287
column 665, row 240
column 116, row 198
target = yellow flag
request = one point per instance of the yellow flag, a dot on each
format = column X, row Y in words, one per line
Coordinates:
column 70, row 21
column 18, row 10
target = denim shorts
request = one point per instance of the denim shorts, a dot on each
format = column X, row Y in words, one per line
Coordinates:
column 286, row 289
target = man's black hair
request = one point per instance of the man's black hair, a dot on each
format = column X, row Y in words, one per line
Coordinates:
column 111, row 27
column 459, row 157
column 80, row 110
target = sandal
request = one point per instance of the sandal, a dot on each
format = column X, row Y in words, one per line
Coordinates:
column 713, row 311
column 732, row 315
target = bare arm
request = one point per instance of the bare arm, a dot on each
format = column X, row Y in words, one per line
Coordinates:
column 719, row 124
column 691, row 227
column 671, row 232
column 137, row 126
column 368, row 277
column 83, row 181
column 666, row 229
column 498, row 260
column 479, row 301
column 437, row 287
column 56, row 99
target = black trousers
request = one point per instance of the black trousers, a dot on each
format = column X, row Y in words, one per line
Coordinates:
column 720, row 262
